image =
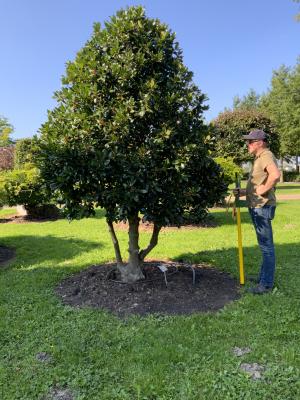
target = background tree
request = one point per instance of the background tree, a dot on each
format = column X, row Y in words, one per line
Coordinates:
column 227, row 129
column 6, row 130
column 24, row 152
column 23, row 185
column 128, row 133
column 282, row 103
column 248, row 102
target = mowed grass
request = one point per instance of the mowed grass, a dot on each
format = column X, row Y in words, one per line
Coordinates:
column 6, row 212
column 98, row 356
column 288, row 188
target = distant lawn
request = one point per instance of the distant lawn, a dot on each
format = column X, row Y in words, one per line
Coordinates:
column 98, row 356
column 5, row 212
column 282, row 188
column 288, row 188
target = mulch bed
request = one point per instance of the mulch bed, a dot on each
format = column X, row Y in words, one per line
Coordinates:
column 99, row 287
column 6, row 254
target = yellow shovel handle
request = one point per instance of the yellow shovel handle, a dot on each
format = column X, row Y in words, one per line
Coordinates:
column 240, row 245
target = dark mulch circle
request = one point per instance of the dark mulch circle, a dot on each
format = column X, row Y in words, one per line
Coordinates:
column 6, row 255
column 98, row 287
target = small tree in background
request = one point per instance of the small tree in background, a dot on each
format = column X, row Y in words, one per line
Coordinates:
column 24, row 152
column 128, row 134
column 282, row 104
column 227, row 129
column 248, row 102
column 6, row 130
column 7, row 154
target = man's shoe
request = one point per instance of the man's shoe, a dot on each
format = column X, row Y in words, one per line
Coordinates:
column 260, row 289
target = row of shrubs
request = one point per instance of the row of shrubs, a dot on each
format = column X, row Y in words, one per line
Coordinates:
column 23, row 185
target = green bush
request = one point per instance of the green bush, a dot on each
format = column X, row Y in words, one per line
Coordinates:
column 24, row 186
column 230, row 169
column 227, row 129
column 291, row 176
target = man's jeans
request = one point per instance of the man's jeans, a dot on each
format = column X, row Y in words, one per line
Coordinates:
column 261, row 218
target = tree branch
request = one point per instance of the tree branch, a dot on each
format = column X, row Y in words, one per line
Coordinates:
column 115, row 242
column 153, row 242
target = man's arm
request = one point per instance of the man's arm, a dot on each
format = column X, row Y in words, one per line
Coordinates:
column 273, row 178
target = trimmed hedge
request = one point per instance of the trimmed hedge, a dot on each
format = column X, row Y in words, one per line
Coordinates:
column 25, row 186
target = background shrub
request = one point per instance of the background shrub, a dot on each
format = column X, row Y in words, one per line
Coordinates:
column 227, row 129
column 25, row 187
column 230, row 169
column 291, row 176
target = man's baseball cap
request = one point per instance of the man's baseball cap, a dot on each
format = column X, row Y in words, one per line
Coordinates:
column 256, row 135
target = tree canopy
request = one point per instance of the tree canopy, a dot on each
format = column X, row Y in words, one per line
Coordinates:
column 248, row 102
column 282, row 103
column 128, row 133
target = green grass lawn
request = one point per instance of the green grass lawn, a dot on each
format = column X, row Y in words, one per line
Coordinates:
column 281, row 188
column 288, row 188
column 6, row 212
column 98, row 356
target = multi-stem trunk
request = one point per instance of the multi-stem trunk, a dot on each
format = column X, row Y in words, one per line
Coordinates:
column 132, row 271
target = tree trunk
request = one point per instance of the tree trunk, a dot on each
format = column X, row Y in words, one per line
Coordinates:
column 115, row 243
column 297, row 165
column 281, row 170
column 153, row 242
column 132, row 272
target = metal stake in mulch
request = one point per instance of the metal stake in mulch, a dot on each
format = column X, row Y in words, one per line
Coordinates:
column 164, row 270
column 193, row 271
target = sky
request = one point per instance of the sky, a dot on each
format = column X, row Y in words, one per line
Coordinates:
column 231, row 46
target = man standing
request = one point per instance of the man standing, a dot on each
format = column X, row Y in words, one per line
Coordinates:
column 260, row 196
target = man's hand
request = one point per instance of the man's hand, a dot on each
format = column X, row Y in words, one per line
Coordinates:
column 239, row 192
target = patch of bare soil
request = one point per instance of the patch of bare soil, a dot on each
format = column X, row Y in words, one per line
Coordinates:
column 6, row 255
column 172, row 293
